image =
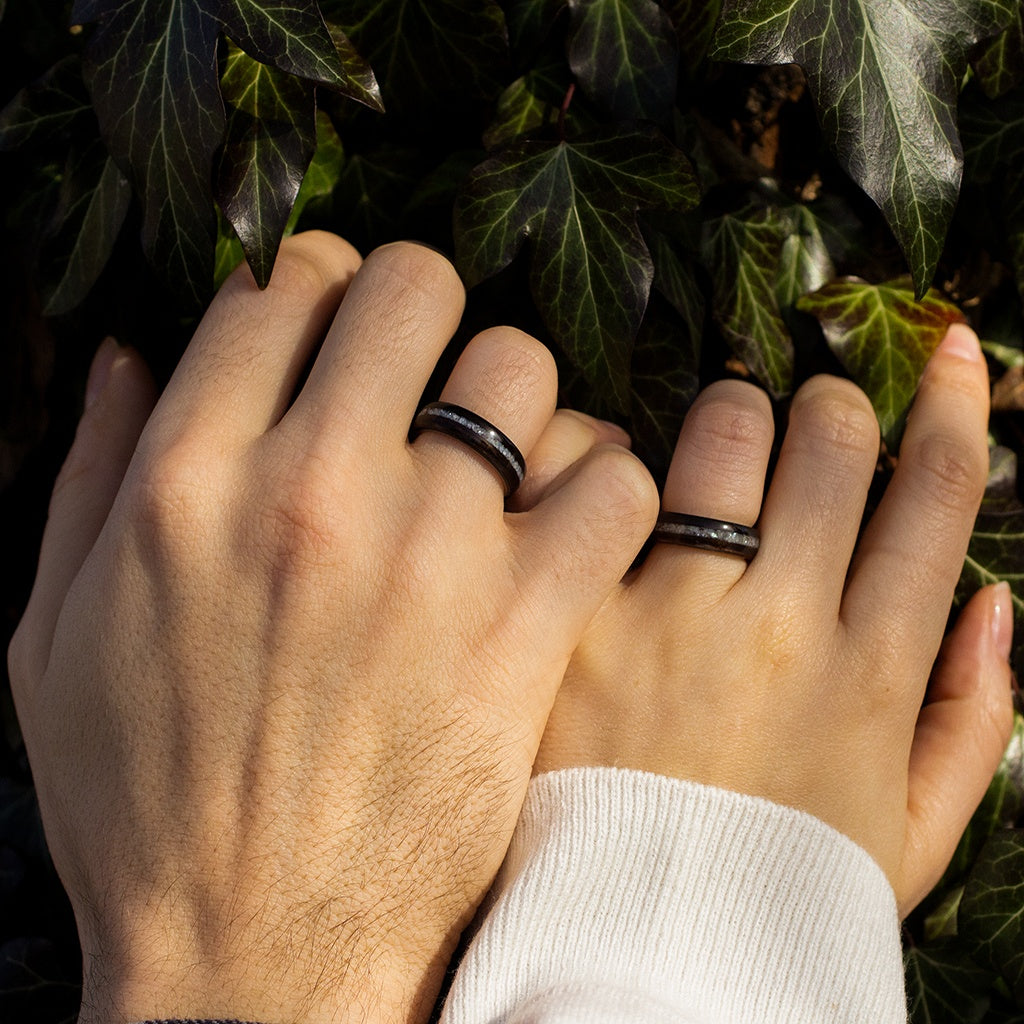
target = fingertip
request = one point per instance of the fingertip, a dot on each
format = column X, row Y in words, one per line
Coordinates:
column 960, row 342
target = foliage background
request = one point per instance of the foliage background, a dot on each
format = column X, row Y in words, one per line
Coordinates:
column 666, row 193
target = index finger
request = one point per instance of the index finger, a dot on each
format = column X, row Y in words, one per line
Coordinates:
column 903, row 575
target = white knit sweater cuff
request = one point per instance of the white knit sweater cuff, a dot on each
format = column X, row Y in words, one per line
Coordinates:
column 633, row 897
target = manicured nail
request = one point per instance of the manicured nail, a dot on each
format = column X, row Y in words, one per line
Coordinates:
column 99, row 372
column 1002, row 619
column 962, row 342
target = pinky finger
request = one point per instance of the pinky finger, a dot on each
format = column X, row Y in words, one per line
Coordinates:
column 960, row 737
column 568, row 436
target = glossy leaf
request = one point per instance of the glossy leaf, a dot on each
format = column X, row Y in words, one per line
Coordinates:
column 93, row 203
column 528, row 104
column 805, row 263
column 885, row 77
column 428, row 53
column 743, row 254
column 991, row 916
column 575, row 204
column 152, row 71
column 291, row 35
column 271, row 135
column 323, row 171
column 47, row 108
column 944, row 986
column 999, row 63
column 626, row 57
column 883, row 337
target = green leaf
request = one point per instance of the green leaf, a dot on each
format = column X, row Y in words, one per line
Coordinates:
column 576, row 204
column 323, row 172
column 695, row 22
column 743, row 254
column 675, row 278
column 805, row 263
column 999, row 63
column 885, row 77
column 530, row 103
column 428, row 53
column 47, row 108
column 943, row 986
column 291, row 35
column 992, row 910
column 228, row 253
column 152, row 71
column 883, row 337
column 93, row 203
column 530, row 22
column 626, row 57
column 271, row 135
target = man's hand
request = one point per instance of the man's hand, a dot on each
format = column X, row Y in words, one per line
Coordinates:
column 283, row 674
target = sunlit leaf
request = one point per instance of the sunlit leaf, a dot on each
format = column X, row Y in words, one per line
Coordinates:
column 94, row 199
column 885, row 77
column 291, row 36
column 943, row 986
column 151, row 69
column 626, row 57
column 999, row 63
column 743, row 254
column 805, row 263
column 427, row 53
column 991, row 916
column 575, row 205
column 46, row 108
column 883, row 337
column 271, row 135
column 528, row 104
column 323, row 171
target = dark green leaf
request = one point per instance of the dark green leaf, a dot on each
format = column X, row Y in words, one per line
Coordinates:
column 883, row 337
column 271, row 135
column 626, row 57
column 47, row 107
column 576, row 202
column 804, row 260
column 152, row 71
column 695, row 22
column 228, row 253
column 944, row 987
column 528, row 104
column 530, row 22
column 992, row 909
column 323, row 172
column 885, row 77
column 999, row 63
column 675, row 278
column 743, row 254
column 94, row 199
column 291, row 36
column 428, row 52
column 664, row 382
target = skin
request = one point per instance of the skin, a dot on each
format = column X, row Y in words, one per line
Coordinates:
column 284, row 675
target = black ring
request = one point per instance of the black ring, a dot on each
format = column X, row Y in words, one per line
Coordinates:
column 476, row 433
column 709, row 534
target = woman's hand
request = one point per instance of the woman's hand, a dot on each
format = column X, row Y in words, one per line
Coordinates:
column 800, row 677
column 283, row 674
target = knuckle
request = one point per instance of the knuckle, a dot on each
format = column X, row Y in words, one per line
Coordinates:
column 630, row 494
column 299, row 275
column 417, row 273
column 949, row 470
column 513, row 365
column 836, row 414
column 722, row 428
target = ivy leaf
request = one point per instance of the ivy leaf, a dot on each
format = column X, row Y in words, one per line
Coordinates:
column 530, row 22
column 943, row 986
column 576, row 203
column 999, row 63
column 528, row 104
column 887, row 103
column 695, row 22
column 323, row 171
column 743, row 254
column 991, row 916
column 291, row 35
column 152, row 71
column 626, row 57
column 93, row 203
column 805, row 263
column 883, row 337
column 271, row 135
column 428, row 52
column 47, row 108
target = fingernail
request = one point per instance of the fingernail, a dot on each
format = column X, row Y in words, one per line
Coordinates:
column 99, row 372
column 1002, row 619
column 962, row 342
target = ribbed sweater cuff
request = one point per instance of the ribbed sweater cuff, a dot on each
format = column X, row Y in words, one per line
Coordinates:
column 657, row 899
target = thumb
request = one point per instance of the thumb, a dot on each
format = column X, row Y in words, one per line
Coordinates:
column 120, row 394
column 960, row 737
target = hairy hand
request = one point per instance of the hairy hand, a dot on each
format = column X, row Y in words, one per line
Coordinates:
column 800, row 677
column 283, row 673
